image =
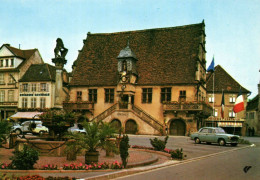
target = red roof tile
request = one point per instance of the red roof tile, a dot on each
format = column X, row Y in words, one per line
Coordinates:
column 223, row 81
column 165, row 56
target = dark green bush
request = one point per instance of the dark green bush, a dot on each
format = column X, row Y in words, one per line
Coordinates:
column 124, row 145
column 159, row 145
column 177, row 154
column 24, row 159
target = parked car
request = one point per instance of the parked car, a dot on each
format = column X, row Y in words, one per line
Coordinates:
column 214, row 135
column 77, row 128
column 26, row 127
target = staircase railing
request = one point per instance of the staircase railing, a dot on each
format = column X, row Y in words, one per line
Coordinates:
column 147, row 118
column 104, row 114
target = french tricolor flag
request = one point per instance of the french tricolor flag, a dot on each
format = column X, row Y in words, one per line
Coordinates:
column 239, row 104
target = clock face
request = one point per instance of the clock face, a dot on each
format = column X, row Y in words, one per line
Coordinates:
column 123, row 78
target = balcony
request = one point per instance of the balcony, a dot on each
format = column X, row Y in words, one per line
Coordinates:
column 188, row 106
column 78, row 106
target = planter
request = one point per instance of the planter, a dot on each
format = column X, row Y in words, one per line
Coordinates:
column 91, row 157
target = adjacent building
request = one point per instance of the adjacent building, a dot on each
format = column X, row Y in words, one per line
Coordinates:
column 13, row 64
column 145, row 82
column 220, row 82
column 253, row 114
column 37, row 88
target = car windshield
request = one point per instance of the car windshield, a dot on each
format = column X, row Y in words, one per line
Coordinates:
column 220, row 130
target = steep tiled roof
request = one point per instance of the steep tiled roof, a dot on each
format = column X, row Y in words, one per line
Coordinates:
column 165, row 56
column 39, row 72
column 223, row 81
column 26, row 54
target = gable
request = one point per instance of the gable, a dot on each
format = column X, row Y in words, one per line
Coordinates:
column 223, row 81
column 5, row 52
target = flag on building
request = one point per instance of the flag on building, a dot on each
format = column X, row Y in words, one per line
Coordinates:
column 211, row 67
column 222, row 105
column 239, row 104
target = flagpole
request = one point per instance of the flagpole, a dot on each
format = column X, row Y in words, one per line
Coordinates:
column 213, row 91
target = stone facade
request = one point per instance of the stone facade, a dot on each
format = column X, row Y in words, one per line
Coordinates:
column 146, row 82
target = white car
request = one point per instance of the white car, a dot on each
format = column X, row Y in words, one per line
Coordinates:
column 76, row 128
column 25, row 127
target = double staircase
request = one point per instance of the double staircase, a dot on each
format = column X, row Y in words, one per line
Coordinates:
column 134, row 109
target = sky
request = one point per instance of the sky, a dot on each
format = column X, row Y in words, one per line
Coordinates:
column 232, row 27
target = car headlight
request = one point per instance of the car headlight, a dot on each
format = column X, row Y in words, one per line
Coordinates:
column 229, row 137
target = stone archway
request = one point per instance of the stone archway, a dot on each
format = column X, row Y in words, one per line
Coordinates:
column 177, row 127
column 115, row 123
column 131, row 127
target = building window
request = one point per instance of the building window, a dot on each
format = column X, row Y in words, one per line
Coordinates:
column 25, row 88
column 33, row 102
column 109, row 95
column 215, row 113
column 79, row 95
column 182, row 97
column 251, row 115
column 34, row 87
column 12, row 63
column 2, row 78
column 2, row 95
column 231, row 113
column 147, row 95
column 11, row 95
column 92, row 95
column 232, row 98
column 6, row 63
column 1, row 63
column 24, row 103
column 211, row 98
column 42, row 103
column 11, row 78
column 166, row 94
column 44, row 87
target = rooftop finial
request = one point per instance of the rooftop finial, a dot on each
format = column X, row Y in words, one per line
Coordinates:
column 128, row 39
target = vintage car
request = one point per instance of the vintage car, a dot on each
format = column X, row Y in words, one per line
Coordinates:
column 26, row 127
column 214, row 135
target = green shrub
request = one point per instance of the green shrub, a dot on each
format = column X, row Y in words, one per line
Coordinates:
column 243, row 141
column 24, row 159
column 5, row 128
column 124, row 145
column 177, row 154
column 159, row 145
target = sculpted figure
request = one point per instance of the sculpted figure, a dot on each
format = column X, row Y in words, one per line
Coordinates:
column 60, row 51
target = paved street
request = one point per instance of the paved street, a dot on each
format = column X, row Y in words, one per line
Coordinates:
column 190, row 149
column 229, row 165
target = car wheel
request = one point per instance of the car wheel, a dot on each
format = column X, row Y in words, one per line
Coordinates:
column 197, row 141
column 18, row 131
column 221, row 142
column 41, row 133
column 233, row 144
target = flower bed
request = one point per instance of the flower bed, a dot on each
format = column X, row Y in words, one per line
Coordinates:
column 73, row 166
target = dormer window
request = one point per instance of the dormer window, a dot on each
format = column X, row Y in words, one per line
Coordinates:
column 1, row 63
column 124, row 66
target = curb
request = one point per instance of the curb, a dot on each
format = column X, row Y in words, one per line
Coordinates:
column 149, row 161
column 126, row 172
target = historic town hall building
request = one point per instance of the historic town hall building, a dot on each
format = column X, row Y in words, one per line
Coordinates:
column 145, row 81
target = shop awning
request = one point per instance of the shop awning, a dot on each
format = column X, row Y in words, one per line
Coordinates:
column 26, row 115
column 229, row 124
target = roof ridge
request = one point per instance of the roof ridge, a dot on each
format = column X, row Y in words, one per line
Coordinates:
column 144, row 30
